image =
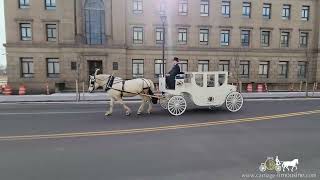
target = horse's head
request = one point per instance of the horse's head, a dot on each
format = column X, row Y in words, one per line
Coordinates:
column 93, row 84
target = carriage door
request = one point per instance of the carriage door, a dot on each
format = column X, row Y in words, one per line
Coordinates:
column 93, row 65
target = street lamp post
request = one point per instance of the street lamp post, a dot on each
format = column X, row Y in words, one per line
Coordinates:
column 163, row 19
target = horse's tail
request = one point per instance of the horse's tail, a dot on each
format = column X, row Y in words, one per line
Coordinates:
column 151, row 91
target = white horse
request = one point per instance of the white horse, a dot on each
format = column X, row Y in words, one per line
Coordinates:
column 123, row 88
column 287, row 164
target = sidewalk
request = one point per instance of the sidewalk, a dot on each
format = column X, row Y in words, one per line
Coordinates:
column 71, row 97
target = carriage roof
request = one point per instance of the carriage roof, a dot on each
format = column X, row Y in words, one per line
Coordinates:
column 208, row 72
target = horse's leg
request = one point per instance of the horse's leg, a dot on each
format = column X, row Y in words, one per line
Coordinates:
column 126, row 108
column 111, row 107
column 141, row 106
column 150, row 105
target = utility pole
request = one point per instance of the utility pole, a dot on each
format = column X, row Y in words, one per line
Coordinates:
column 163, row 18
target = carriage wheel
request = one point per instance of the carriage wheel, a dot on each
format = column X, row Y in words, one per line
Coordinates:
column 234, row 101
column 164, row 102
column 177, row 105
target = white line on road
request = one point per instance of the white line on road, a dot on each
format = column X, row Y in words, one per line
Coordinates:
column 132, row 102
column 285, row 99
column 44, row 113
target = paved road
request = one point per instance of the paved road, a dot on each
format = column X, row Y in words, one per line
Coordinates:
column 221, row 149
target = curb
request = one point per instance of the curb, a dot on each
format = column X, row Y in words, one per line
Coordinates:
column 134, row 100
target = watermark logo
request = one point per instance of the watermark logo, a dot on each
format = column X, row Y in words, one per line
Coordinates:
column 274, row 164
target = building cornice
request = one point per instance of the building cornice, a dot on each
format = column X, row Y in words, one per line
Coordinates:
column 305, row 29
column 245, row 27
column 266, row 28
column 158, row 48
column 183, row 25
column 226, row 27
column 50, row 20
column 285, row 29
column 204, row 26
column 23, row 19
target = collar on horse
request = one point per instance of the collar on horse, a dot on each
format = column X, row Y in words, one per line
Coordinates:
column 109, row 83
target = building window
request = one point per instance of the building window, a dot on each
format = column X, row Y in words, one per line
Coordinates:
column 27, row 67
column 23, row 4
column 283, row 69
column 245, row 38
column 204, row 8
column 183, row 7
column 266, row 11
column 246, row 9
column 137, row 7
column 26, row 33
column 203, row 65
column 265, row 38
column 73, row 66
column 225, row 8
column 158, row 67
column 286, row 11
column 264, row 69
column 137, row 35
column 204, row 36
column 304, row 39
column 115, row 66
column 53, row 67
column 183, row 65
column 224, row 37
column 159, row 35
column 285, row 39
column 244, row 69
column 224, row 65
column 302, row 69
column 182, row 35
column 50, row 4
column 94, row 22
column 305, row 13
column 137, row 68
column 51, row 32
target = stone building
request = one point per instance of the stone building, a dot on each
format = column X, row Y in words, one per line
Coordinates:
column 59, row 41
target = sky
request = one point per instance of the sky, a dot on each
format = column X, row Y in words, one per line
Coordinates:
column 2, row 35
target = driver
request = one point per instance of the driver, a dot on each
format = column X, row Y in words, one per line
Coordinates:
column 170, row 80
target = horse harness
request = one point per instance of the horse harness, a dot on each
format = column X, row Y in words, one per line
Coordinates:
column 110, row 83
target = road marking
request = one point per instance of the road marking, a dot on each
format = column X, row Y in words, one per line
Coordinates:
column 139, row 101
column 44, row 113
column 153, row 129
column 284, row 99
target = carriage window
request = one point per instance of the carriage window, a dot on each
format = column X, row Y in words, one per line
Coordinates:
column 222, row 79
column 187, row 78
column 210, row 80
column 199, row 79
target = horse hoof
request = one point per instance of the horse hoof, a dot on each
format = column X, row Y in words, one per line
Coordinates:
column 128, row 113
column 108, row 114
column 138, row 113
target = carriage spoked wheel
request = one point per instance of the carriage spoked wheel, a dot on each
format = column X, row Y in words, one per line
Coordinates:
column 234, row 101
column 164, row 102
column 177, row 105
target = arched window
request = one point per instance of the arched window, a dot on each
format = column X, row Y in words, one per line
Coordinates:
column 94, row 21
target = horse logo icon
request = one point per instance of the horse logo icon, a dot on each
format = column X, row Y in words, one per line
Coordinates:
column 274, row 164
column 293, row 164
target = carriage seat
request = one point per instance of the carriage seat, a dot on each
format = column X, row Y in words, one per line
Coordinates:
column 180, row 75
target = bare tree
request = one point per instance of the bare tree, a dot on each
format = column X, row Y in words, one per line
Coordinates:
column 235, row 71
column 308, row 56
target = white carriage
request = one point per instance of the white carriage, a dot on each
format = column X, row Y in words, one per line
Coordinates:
column 206, row 89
